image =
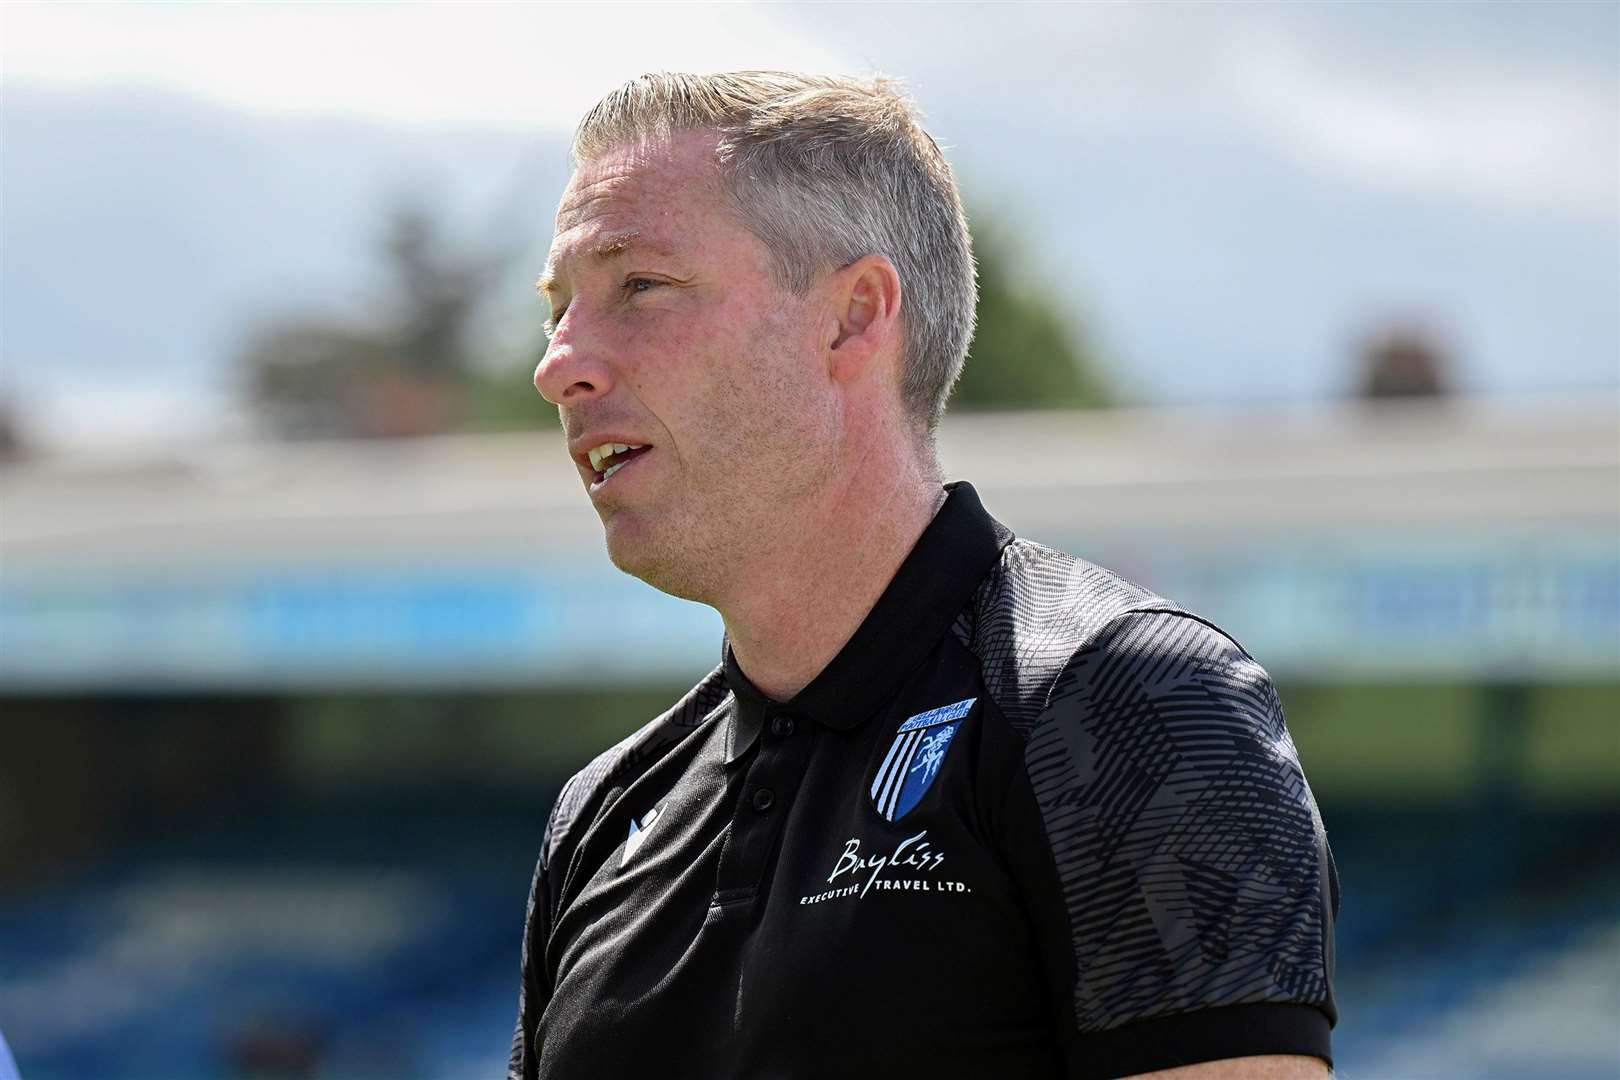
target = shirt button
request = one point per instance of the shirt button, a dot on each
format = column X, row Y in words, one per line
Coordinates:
column 783, row 726
column 763, row 798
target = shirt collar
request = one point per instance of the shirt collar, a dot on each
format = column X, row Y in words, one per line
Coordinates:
column 932, row 586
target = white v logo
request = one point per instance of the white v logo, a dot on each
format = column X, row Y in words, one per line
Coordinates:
column 638, row 833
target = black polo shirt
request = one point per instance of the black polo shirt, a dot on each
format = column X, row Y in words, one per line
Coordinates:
column 1032, row 820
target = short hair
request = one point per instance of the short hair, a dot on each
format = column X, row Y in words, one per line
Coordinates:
column 825, row 170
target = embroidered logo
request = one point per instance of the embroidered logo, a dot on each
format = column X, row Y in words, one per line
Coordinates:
column 908, row 867
column 914, row 758
column 638, row 834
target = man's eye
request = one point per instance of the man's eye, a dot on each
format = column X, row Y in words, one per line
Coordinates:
column 639, row 284
column 550, row 325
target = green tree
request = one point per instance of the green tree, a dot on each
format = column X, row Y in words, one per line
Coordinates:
column 410, row 371
column 308, row 379
column 1024, row 355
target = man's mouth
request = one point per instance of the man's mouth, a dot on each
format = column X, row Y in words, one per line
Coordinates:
column 609, row 458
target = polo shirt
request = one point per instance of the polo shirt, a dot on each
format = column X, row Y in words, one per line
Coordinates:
column 1032, row 820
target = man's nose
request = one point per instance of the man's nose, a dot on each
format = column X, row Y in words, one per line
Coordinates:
column 571, row 371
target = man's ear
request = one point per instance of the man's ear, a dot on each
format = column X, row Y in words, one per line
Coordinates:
column 865, row 323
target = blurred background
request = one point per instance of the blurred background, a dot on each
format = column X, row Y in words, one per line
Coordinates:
column 1313, row 312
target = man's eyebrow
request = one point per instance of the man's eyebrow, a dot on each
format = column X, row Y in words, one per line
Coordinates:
column 607, row 247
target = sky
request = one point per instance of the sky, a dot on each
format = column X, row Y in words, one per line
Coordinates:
column 1223, row 197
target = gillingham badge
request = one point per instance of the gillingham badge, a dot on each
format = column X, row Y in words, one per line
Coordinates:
column 914, row 758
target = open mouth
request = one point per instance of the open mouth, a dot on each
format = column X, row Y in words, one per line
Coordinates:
column 609, row 458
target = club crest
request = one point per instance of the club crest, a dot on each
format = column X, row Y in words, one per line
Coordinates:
column 914, row 758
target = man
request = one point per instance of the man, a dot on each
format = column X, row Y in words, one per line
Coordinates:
column 953, row 804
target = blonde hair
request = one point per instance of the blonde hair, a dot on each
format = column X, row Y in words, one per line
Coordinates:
column 825, row 170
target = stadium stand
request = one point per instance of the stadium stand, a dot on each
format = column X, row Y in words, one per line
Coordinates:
column 287, row 720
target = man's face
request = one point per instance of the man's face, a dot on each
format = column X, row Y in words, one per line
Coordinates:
column 670, row 334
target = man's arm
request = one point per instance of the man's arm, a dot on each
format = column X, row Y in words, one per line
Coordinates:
column 1189, row 925
column 534, row 987
column 1268, row 1067
column 522, row 1065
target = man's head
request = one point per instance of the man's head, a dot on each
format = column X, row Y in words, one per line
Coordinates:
column 746, row 266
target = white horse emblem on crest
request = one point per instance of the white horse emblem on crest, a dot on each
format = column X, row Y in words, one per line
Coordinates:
column 915, row 758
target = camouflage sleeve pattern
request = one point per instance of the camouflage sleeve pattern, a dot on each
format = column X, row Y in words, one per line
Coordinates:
column 1191, row 858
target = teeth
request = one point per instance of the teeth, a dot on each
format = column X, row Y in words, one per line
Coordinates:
column 611, row 469
column 601, row 453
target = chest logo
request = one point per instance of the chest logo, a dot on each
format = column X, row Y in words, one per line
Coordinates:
column 638, row 835
column 914, row 758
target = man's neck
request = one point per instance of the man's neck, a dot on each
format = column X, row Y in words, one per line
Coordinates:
column 797, row 609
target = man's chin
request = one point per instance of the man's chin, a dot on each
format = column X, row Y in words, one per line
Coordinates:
column 659, row 564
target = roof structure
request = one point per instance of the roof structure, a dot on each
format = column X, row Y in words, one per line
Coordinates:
column 1355, row 540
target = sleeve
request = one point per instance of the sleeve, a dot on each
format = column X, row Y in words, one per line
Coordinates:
column 8, row 1066
column 534, row 988
column 1192, row 918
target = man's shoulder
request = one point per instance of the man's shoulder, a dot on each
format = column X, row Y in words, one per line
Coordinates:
column 1037, row 609
column 1035, row 583
column 617, row 766
column 1150, row 727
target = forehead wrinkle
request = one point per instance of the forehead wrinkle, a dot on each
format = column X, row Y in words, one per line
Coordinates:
column 623, row 176
column 605, row 249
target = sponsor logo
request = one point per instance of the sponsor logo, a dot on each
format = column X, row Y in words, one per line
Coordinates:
column 908, row 868
column 914, row 758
